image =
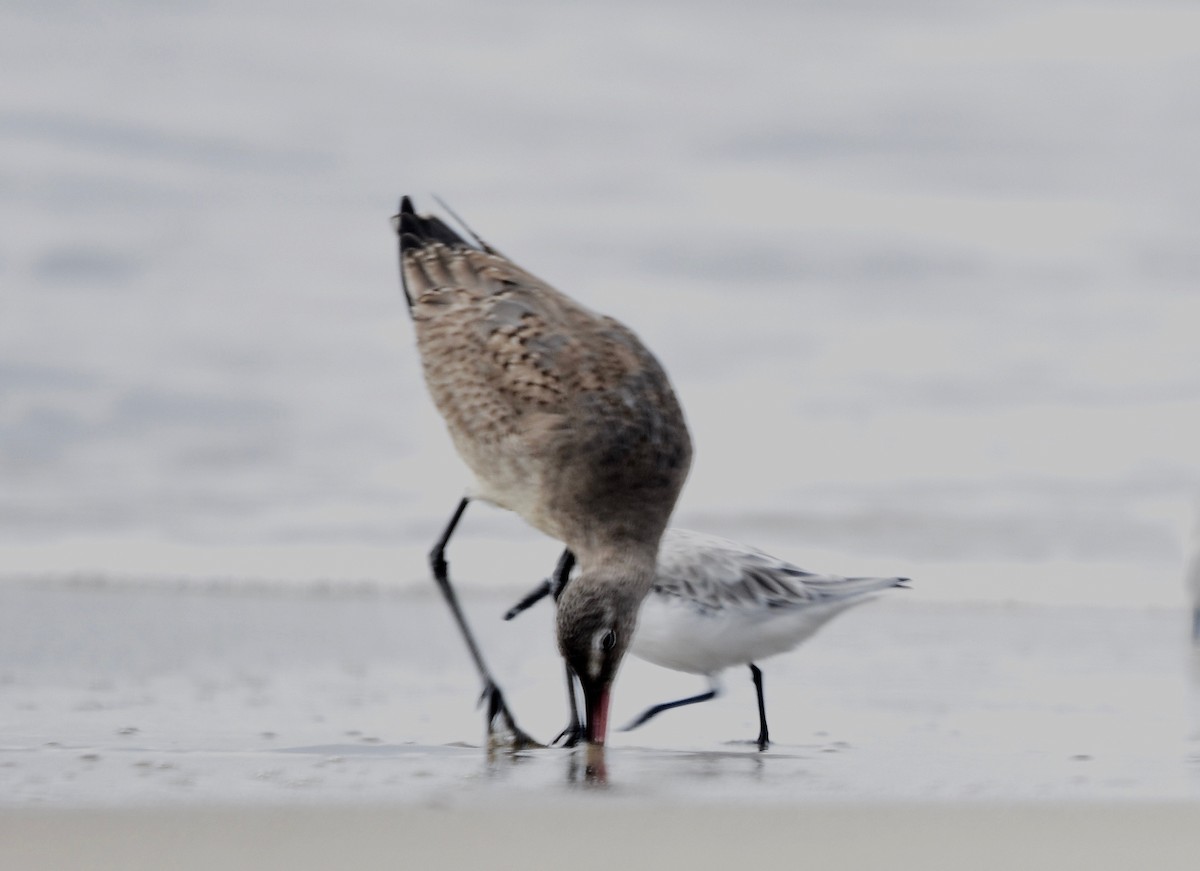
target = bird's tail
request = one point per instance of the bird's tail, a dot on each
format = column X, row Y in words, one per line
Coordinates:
column 836, row 589
column 418, row 231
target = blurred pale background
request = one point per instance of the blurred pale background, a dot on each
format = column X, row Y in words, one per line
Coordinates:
column 926, row 276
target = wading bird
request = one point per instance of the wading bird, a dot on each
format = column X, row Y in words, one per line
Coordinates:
column 563, row 416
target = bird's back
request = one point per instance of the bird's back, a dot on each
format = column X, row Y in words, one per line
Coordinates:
column 714, row 573
column 716, row 603
column 562, row 414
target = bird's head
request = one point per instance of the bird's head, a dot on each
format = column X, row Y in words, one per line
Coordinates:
column 596, row 619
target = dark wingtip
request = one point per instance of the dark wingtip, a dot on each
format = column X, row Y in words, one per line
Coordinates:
column 417, row 231
column 402, row 223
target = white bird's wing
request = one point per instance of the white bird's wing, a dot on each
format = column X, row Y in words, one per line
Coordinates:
column 714, row 572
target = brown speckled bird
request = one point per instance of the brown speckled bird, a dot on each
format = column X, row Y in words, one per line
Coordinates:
column 564, row 417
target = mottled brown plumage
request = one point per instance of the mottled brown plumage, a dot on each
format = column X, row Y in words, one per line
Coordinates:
column 562, row 415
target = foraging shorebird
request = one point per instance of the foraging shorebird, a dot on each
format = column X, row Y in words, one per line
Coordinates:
column 716, row 604
column 564, row 417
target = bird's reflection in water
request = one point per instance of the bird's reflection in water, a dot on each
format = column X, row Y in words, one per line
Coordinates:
column 587, row 766
column 643, row 769
column 501, row 757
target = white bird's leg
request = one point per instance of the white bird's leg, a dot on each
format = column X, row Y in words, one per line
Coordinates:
column 763, row 740
column 496, row 706
column 649, row 713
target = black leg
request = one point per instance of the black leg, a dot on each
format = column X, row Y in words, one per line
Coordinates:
column 1196, row 626
column 763, row 739
column 530, row 599
column 666, row 706
column 562, row 573
column 496, row 706
column 553, row 584
column 573, row 733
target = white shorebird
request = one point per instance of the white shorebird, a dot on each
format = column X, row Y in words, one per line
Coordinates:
column 564, row 417
column 716, row 604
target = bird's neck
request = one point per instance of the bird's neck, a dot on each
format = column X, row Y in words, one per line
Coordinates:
column 633, row 561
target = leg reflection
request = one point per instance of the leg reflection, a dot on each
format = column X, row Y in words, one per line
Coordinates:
column 586, row 766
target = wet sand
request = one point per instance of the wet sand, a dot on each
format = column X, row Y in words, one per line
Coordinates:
column 126, row 694
column 292, row 726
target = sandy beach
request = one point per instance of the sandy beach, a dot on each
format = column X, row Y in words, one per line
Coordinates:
column 138, row 694
column 594, row 835
column 294, row 727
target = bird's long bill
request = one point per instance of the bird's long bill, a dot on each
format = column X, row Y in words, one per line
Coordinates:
column 595, row 700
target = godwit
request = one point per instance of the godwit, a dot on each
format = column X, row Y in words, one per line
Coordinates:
column 564, row 417
column 716, row 603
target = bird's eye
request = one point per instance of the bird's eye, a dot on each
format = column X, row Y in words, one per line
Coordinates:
column 608, row 640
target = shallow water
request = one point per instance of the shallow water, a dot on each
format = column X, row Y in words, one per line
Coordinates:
column 136, row 695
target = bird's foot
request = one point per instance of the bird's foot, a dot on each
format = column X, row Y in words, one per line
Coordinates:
column 511, row 735
column 569, row 737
